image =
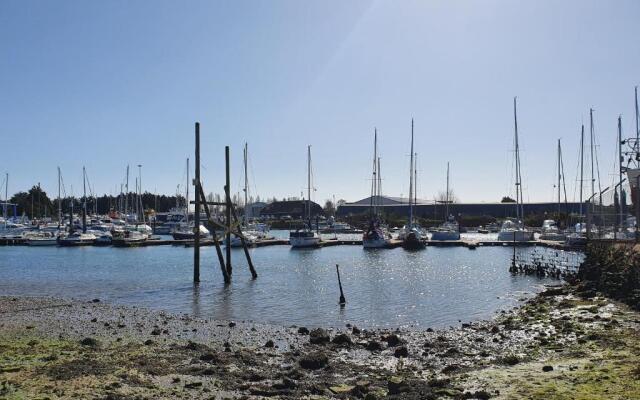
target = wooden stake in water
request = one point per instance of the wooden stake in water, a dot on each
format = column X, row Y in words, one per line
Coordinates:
column 342, row 299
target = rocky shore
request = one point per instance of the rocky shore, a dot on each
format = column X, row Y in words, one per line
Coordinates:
column 560, row 344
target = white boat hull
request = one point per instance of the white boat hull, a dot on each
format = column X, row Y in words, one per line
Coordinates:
column 304, row 241
column 518, row 236
column 43, row 242
column 445, row 235
column 375, row 243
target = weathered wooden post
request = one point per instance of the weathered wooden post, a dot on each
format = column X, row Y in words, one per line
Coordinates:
column 342, row 299
column 196, row 219
column 214, row 234
column 227, row 191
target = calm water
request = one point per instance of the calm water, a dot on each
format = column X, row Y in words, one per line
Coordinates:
column 433, row 287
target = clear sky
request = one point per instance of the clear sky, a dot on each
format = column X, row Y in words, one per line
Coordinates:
column 110, row 83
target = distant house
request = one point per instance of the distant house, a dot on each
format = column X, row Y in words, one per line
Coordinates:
column 253, row 210
column 295, row 209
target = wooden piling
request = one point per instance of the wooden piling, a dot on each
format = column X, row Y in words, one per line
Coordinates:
column 227, row 191
column 196, row 219
column 343, row 301
column 216, row 242
column 254, row 274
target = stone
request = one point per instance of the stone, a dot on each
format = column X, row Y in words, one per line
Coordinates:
column 94, row 320
column 374, row 346
column 342, row 340
column 303, row 330
column 396, row 385
column 393, row 340
column 314, row 360
column 156, row 332
column 232, row 324
column 148, row 342
column 547, row 368
column 95, row 301
column 91, row 342
column 269, row 344
column 401, row 352
column 355, row 330
column 342, row 388
column 319, row 336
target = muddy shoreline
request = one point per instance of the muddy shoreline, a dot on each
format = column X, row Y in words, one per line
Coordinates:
column 562, row 343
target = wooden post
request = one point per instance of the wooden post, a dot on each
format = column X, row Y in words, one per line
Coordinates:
column 254, row 274
column 342, row 299
column 196, row 219
column 200, row 194
column 227, row 191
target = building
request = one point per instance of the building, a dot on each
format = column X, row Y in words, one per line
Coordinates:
column 253, row 210
column 430, row 209
column 291, row 209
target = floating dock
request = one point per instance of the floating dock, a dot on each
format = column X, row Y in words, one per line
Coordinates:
column 468, row 243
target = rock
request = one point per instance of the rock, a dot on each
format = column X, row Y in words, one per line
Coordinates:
column 450, row 368
column 355, row 330
column 342, row 388
column 495, row 329
column 393, row 340
column 466, row 325
column 319, row 336
column 342, row 340
column 156, row 332
column 429, row 329
column 269, row 343
column 121, row 325
column 149, row 342
column 303, row 330
column 95, row 301
column 396, row 385
column 91, row 342
column 374, row 346
column 314, row 360
column 192, row 385
column 547, row 368
column 94, row 320
column 232, row 324
column 209, row 357
column 401, row 352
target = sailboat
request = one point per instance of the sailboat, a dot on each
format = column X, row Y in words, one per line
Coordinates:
column 251, row 232
column 186, row 230
column 412, row 235
column 376, row 236
column 550, row 230
column 449, row 230
column 515, row 231
column 79, row 238
column 306, row 237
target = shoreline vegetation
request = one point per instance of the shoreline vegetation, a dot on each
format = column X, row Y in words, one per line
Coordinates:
column 568, row 342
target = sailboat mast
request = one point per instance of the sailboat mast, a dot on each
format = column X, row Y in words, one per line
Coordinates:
column 447, row 195
column 126, row 195
column 59, row 200
column 591, row 139
column 581, row 165
column 637, row 128
column 620, row 159
column 84, row 200
column 186, row 199
column 379, row 185
column 559, row 176
column 517, row 151
column 6, row 199
column 246, row 181
column 374, row 191
column 411, row 180
column 309, row 185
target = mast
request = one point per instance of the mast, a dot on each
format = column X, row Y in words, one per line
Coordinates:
column 379, row 185
column 59, row 200
column 246, row 181
column 591, row 139
column 411, row 180
column 6, row 200
column 559, row 176
column 309, row 185
column 620, row 159
column 373, row 200
column 141, row 207
column 186, row 199
column 126, row 196
column 84, row 200
column 415, row 179
column 447, row 195
column 519, row 211
column 637, row 130
column 581, row 165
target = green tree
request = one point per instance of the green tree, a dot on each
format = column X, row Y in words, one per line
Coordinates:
column 34, row 203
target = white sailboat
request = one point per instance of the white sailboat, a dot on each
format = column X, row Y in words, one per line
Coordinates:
column 306, row 237
column 376, row 235
column 514, row 230
column 449, row 230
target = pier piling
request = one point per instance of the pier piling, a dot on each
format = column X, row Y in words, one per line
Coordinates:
column 343, row 301
column 196, row 217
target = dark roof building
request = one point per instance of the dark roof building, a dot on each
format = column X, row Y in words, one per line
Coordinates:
column 295, row 209
column 432, row 210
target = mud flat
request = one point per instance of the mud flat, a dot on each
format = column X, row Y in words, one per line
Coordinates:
column 560, row 344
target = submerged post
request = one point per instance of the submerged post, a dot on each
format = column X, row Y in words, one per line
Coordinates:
column 196, row 217
column 227, row 191
column 342, row 299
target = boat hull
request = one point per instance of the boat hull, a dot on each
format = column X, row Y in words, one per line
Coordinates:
column 298, row 242
column 376, row 243
column 445, row 235
column 515, row 236
column 43, row 242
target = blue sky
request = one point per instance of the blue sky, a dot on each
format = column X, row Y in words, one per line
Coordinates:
column 106, row 84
